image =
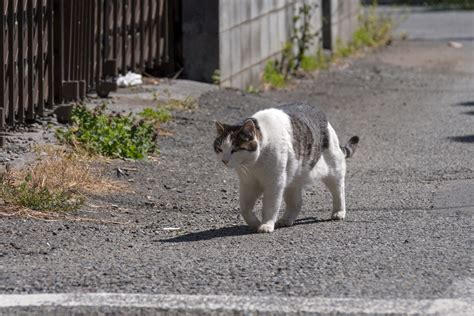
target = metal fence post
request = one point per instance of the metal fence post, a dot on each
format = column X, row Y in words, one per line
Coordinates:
column 58, row 38
column 3, row 62
column 11, row 64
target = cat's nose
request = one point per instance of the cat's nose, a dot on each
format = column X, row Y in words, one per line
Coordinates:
column 225, row 161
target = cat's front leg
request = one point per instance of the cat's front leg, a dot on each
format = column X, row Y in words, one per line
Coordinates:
column 272, row 198
column 249, row 193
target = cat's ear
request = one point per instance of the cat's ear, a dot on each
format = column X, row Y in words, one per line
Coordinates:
column 220, row 127
column 249, row 128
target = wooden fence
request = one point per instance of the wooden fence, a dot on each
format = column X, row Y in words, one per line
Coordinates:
column 54, row 51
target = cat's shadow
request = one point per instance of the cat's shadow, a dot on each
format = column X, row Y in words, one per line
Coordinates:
column 240, row 230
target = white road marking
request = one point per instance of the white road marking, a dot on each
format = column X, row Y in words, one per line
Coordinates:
column 231, row 303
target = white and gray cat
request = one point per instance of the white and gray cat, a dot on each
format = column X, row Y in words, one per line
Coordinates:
column 278, row 151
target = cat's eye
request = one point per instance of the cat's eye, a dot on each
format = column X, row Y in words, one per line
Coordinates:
column 218, row 150
column 233, row 151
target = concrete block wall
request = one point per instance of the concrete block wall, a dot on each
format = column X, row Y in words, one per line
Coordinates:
column 251, row 33
column 238, row 37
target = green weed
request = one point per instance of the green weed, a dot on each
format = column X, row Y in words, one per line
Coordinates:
column 374, row 30
column 286, row 64
column 314, row 62
column 303, row 36
column 252, row 90
column 216, row 77
column 188, row 104
column 158, row 116
column 273, row 76
column 293, row 57
column 118, row 136
column 342, row 50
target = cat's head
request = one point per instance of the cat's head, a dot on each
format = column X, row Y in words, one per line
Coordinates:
column 237, row 145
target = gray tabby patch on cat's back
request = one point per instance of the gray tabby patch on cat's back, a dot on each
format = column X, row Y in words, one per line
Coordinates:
column 310, row 131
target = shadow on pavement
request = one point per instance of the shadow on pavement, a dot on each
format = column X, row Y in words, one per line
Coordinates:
column 310, row 220
column 462, row 139
column 233, row 231
column 212, row 233
column 467, row 103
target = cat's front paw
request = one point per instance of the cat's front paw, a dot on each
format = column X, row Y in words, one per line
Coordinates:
column 266, row 228
column 284, row 222
column 338, row 216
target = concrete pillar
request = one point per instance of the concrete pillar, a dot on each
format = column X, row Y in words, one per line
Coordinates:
column 200, row 36
column 340, row 18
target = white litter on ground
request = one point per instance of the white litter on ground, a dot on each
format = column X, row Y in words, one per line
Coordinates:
column 171, row 229
column 130, row 79
column 455, row 44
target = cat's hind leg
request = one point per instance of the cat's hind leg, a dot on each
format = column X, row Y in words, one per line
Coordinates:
column 293, row 200
column 335, row 184
column 334, row 179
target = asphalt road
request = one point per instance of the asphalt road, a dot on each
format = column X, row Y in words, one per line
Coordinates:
column 407, row 237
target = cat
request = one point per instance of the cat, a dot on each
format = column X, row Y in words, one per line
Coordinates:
column 277, row 152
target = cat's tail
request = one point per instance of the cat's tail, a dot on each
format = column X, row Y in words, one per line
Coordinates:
column 350, row 147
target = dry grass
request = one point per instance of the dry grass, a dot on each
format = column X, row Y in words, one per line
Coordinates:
column 17, row 211
column 60, row 168
column 59, row 180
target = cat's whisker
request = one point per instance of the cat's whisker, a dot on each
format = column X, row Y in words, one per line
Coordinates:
column 244, row 169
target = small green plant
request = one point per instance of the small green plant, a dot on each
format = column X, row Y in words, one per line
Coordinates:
column 158, row 116
column 315, row 62
column 342, row 50
column 286, row 64
column 188, row 104
column 28, row 194
column 374, row 30
column 119, row 136
column 277, row 72
column 273, row 76
column 253, row 90
column 216, row 77
column 155, row 96
column 303, row 36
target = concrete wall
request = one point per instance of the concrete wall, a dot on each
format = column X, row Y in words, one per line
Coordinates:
column 252, row 32
column 238, row 37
